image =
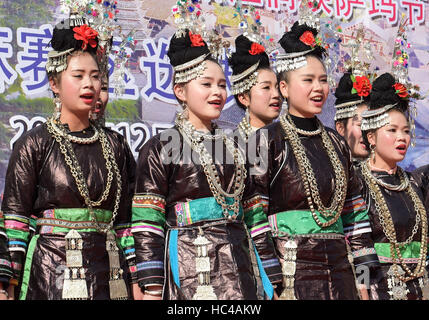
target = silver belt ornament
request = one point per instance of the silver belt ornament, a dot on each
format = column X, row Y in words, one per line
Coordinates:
column 75, row 287
column 202, row 263
column 117, row 286
column 288, row 270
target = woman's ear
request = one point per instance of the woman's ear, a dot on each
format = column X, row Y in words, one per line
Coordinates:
column 53, row 83
column 371, row 138
column 179, row 92
column 284, row 89
column 339, row 126
column 244, row 99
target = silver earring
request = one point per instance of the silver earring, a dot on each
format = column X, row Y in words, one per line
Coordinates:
column 372, row 147
column 57, row 103
column 93, row 115
column 285, row 107
column 184, row 113
column 247, row 115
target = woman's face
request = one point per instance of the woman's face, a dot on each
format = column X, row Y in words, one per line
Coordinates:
column 205, row 96
column 79, row 85
column 306, row 89
column 264, row 99
column 101, row 104
column 391, row 141
column 353, row 134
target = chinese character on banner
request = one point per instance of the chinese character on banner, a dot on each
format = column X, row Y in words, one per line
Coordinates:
column 386, row 8
column 159, row 71
column 277, row 5
column 131, row 89
column 415, row 10
column 32, row 61
column 326, row 7
column 345, row 10
column 7, row 73
column 255, row 3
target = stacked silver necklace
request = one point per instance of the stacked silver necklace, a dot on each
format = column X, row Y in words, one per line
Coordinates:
column 400, row 187
column 197, row 144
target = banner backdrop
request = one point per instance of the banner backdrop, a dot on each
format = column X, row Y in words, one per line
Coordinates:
column 148, row 105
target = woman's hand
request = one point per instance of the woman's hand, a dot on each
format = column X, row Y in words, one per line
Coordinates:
column 137, row 292
column 152, row 293
column 7, row 294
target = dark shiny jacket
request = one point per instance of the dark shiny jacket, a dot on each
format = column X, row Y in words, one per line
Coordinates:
column 38, row 179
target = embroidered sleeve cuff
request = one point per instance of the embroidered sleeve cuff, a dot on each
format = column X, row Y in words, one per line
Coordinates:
column 365, row 257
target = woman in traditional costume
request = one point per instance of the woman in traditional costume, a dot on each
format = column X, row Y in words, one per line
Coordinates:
column 254, row 85
column 352, row 95
column 195, row 227
column 318, row 218
column 396, row 210
column 76, row 179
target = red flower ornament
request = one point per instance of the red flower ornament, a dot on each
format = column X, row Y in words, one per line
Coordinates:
column 87, row 35
column 308, row 38
column 256, row 48
column 401, row 90
column 362, row 86
column 196, row 40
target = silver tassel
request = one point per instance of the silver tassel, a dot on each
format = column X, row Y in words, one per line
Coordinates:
column 117, row 286
column 74, row 286
column 288, row 270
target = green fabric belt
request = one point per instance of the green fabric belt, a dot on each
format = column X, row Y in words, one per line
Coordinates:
column 410, row 251
column 62, row 220
column 301, row 222
column 201, row 209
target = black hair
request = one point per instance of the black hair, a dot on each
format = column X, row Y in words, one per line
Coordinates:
column 242, row 60
column 181, row 51
column 343, row 92
column 291, row 43
column 382, row 94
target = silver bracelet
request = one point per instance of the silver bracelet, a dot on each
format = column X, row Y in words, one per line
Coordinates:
column 4, row 292
column 153, row 292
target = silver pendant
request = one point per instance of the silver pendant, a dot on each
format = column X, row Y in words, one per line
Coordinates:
column 288, row 270
column 202, row 266
column 117, row 286
column 74, row 286
column 424, row 285
column 204, row 293
column 288, row 294
column 398, row 288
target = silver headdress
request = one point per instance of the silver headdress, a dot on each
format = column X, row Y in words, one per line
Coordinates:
column 187, row 18
column 296, row 60
column 250, row 24
column 57, row 60
column 244, row 81
column 359, row 73
column 102, row 17
column 400, row 72
column 376, row 118
column 346, row 110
